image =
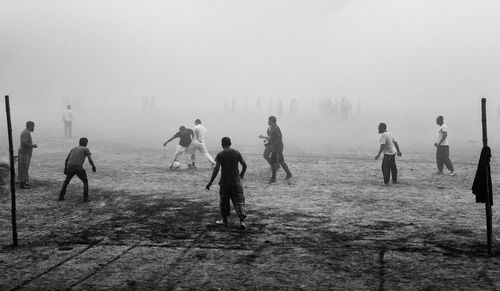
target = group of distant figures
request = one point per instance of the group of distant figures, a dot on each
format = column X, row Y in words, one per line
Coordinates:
column 328, row 107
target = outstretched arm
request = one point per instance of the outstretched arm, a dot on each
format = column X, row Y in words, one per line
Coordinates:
column 214, row 175
column 169, row 140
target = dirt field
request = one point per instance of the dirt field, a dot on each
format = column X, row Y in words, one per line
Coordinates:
column 333, row 226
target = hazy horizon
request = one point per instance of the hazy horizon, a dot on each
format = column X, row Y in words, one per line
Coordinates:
column 399, row 62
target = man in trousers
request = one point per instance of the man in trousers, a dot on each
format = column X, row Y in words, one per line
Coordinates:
column 230, row 181
column 24, row 155
column 198, row 144
column 74, row 166
column 389, row 147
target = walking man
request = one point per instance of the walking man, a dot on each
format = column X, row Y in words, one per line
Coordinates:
column 74, row 166
column 24, row 155
column 198, row 144
column 443, row 148
column 389, row 147
column 68, row 121
column 185, row 136
column 276, row 144
column 230, row 182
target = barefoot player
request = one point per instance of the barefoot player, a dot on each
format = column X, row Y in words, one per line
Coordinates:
column 230, row 181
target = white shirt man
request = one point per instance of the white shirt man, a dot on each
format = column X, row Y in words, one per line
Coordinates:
column 68, row 120
column 388, row 141
column 443, row 148
column 198, row 143
column 389, row 148
column 443, row 135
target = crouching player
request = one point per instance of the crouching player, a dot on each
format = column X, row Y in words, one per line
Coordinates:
column 230, row 183
column 74, row 166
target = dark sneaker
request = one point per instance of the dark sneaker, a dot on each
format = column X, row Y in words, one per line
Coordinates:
column 272, row 180
column 288, row 176
column 24, row 186
column 61, row 198
column 453, row 173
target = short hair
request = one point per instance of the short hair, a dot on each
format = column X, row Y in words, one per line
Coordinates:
column 197, row 121
column 440, row 117
column 69, row 106
column 226, row 141
column 182, row 127
column 273, row 119
column 382, row 126
column 83, row 141
column 30, row 123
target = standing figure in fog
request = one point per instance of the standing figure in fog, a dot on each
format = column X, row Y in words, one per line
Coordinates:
column 24, row 155
column 276, row 145
column 443, row 148
column 185, row 136
column 198, row 144
column 74, row 166
column 68, row 121
column 389, row 147
column 230, row 182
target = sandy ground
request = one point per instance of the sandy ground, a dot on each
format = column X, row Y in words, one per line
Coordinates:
column 333, row 226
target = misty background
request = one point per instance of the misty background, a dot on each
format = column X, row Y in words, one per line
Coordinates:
column 139, row 69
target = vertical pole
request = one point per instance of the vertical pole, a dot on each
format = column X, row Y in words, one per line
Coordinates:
column 12, row 173
column 489, row 226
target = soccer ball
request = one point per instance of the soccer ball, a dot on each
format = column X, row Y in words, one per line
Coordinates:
column 176, row 165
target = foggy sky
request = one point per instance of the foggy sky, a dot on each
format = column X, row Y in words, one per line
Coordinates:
column 400, row 59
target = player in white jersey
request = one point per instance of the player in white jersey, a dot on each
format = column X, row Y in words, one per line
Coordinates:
column 390, row 148
column 443, row 148
column 198, row 144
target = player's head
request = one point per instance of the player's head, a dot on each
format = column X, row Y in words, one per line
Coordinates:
column 382, row 127
column 272, row 120
column 197, row 121
column 30, row 125
column 83, row 141
column 226, row 142
column 182, row 127
column 440, row 120
column 69, row 106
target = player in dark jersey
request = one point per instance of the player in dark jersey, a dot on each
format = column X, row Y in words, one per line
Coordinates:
column 185, row 136
column 230, row 181
column 276, row 144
